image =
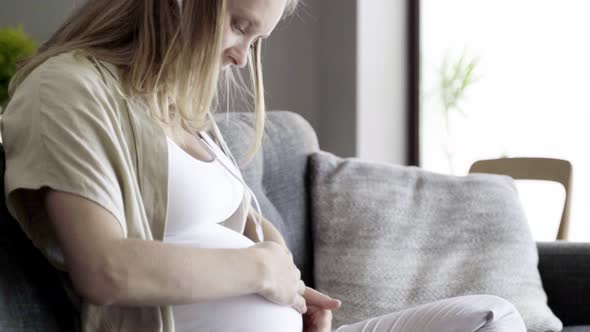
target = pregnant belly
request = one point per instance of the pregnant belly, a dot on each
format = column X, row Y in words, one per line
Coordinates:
column 247, row 313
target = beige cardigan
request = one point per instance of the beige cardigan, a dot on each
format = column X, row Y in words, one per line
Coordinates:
column 68, row 128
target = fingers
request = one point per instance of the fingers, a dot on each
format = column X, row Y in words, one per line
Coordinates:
column 327, row 320
column 300, row 305
column 313, row 297
column 301, row 288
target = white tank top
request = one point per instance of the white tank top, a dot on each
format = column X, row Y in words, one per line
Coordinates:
column 201, row 195
column 200, row 192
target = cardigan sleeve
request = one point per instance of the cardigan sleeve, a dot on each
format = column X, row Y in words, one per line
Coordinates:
column 60, row 131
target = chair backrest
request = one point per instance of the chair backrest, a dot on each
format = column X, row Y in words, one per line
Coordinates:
column 547, row 169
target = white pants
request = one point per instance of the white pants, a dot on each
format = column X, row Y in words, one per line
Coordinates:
column 482, row 313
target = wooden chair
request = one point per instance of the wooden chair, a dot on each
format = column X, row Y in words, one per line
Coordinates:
column 547, row 169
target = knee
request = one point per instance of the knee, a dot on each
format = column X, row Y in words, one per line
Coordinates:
column 487, row 303
column 502, row 315
column 494, row 301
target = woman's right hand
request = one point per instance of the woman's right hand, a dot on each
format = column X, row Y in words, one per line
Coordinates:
column 281, row 279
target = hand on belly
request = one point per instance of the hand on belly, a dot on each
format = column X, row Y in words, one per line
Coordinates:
column 247, row 313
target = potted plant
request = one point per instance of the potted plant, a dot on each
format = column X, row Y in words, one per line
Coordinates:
column 15, row 45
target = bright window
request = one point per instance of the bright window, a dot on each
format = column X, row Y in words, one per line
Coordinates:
column 527, row 94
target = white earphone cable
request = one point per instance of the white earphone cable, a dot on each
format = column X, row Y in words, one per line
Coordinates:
column 226, row 150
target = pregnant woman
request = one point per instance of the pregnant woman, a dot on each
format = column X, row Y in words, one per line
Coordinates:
column 112, row 174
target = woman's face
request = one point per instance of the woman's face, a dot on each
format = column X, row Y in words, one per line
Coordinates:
column 247, row 21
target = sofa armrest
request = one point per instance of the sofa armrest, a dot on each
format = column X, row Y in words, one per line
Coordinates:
column 565, row 272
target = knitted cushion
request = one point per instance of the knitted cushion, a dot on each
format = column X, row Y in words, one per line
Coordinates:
column 390, row 237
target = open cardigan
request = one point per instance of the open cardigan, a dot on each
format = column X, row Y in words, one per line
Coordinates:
column 69, row 127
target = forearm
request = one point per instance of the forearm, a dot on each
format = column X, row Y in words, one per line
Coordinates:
column 155, row 273
column 107, row 268
column 268, row 230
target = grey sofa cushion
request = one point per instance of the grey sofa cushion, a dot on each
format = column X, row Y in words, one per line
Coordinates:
column 277, row 174
column 31, row 295
column 565, row 269
column 389, row 237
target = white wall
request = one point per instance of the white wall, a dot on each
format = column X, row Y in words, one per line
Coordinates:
column 291, row 64
column 381, row 83
column 345, row 60
column 309, row 68
column 337, row 77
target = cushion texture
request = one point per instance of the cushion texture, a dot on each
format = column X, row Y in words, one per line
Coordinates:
column 389, row 237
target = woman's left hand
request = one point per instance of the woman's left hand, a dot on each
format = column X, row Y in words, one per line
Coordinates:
column 318, row 317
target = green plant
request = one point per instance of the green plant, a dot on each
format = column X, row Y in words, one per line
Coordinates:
column 455, row 78
column 15, row 45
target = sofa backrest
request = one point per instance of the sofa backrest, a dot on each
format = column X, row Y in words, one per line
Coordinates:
column 278, row 174
column 31, row 296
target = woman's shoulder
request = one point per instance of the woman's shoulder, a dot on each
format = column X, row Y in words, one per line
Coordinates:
column 65, row 78
column 66, row 88
column 63, row 75
column 74, row 59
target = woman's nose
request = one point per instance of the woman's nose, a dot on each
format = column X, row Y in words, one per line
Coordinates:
column 242, row 58
column 238, row 56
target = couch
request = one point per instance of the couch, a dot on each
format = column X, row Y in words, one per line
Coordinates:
column 32, row 299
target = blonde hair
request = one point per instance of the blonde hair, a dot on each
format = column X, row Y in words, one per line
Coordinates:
column 152, row 42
